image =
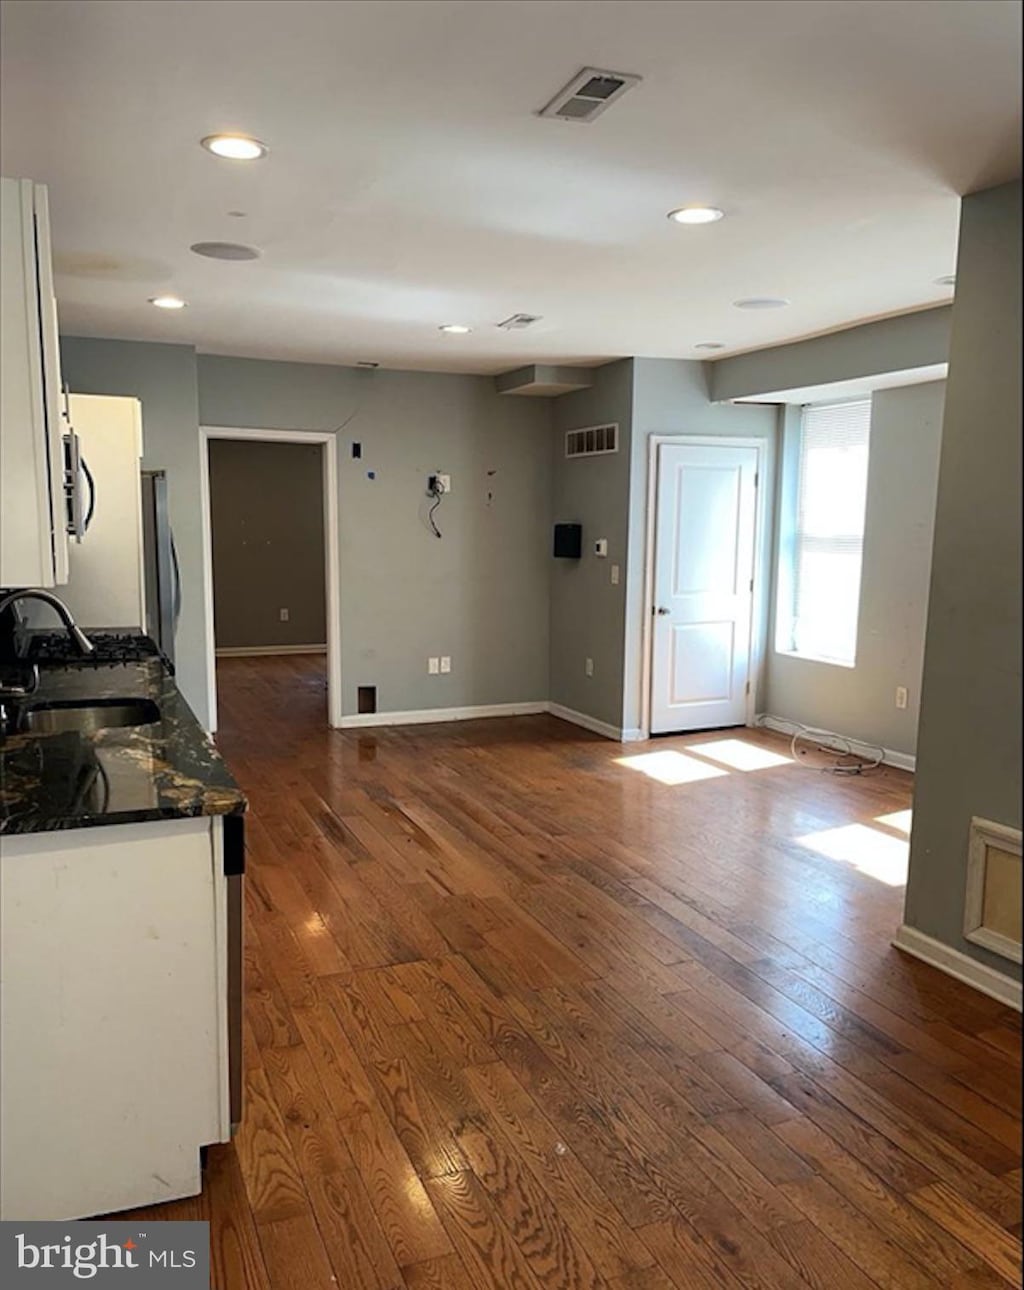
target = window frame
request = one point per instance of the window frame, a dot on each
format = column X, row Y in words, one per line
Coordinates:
column 790, row 539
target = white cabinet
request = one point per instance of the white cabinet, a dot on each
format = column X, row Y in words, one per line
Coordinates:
column 114, row 1065
column 33, row 510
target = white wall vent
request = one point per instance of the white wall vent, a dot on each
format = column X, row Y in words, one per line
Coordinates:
column 517, row 322
column 588, row 94
column 592, row 441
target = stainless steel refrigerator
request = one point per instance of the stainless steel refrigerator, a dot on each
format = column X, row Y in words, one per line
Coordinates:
column 161, row 573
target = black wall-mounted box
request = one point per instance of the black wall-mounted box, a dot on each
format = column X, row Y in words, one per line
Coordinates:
column 568, row 541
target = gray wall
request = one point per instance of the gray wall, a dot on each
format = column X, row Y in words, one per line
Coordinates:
column 164, row 378
column 267, row 531
column 480, row 594
column 587, row 612
column 670, row 397
column 903, row 468
column 889, row 345
column 969, row 745
column 591, row 618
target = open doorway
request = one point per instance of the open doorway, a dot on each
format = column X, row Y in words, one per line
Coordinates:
column 270, row 543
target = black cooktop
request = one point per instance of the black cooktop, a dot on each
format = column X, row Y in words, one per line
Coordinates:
column 53, row 649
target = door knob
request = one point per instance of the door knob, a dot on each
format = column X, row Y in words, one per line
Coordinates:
column 662, row 610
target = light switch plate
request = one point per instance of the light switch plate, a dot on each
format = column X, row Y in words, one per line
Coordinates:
column 433, row 666
column 446, row 663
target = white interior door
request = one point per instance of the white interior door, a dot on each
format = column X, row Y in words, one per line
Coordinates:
column 703, row 586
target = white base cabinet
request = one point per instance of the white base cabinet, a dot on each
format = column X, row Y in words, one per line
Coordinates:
column 114, row 1066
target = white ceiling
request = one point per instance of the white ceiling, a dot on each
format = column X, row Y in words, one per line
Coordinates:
column 410, row 182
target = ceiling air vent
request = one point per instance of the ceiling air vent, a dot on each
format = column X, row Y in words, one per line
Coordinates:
column 588, row 94
column 518, row 321
column 592, row 441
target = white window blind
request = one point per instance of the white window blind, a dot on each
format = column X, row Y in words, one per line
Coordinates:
column 829, row 536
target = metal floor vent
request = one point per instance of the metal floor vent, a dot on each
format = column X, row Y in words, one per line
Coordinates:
column 518, row 321
column 592, row 441
column 588, row 94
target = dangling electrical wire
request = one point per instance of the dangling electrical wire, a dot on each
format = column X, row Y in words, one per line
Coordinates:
column 437, row 493
column 848, row 762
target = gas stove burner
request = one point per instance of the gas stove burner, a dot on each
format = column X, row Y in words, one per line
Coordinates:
column 109, row 648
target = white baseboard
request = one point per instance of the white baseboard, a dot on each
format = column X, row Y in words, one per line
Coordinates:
column 587, row 722
column 632, row 735
column 432, row 716
column 956, row 964
column 262, row 651
column 890, row 757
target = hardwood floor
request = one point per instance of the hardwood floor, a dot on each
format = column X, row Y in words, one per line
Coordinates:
column 527, row 1008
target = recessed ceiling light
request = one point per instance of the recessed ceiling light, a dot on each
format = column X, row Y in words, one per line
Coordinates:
column 455, row 329
column 225, row 250
column 709, row 344
column 167, row 302
column 696, row 215
column 761, row 302
column 235, row 147
column 949, row 280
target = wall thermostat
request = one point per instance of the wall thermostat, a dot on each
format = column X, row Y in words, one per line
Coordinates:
column 601, row 547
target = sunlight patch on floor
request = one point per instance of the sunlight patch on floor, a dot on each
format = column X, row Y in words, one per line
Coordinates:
column 738, row 755
column 670, row 767
column 899, row 820
column 877, row 854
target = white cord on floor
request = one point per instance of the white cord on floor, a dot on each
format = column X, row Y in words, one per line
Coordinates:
column 813, row 734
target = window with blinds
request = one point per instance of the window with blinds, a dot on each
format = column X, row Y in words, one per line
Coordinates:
column 828, row 538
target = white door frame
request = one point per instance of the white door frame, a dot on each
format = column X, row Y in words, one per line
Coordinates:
column 332, row 586
column 755, row 662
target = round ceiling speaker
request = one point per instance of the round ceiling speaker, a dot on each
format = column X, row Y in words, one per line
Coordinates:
column 225, row 251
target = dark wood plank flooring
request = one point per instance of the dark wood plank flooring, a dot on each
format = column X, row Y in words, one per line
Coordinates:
column 526, row 1008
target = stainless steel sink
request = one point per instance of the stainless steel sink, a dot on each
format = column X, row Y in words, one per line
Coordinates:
column 87, row 718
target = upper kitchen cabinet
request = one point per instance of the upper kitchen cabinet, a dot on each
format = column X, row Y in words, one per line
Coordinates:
column 34, row 513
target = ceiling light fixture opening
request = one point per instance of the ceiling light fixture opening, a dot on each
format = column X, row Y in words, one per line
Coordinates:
column 696, row 215
column 761, row 302
column 709, row 344
column 167, row 302
column 455, row 329
column 235, row 147
column 947, row 280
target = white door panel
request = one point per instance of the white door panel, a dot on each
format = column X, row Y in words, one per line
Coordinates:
column 702, row 662
column 703, row 585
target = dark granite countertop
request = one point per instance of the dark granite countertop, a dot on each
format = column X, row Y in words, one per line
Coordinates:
column 164, row 770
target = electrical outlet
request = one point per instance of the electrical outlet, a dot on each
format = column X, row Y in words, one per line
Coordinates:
column 901, row 696
column 433, row 666
column 588, row 666
column 446, row 663
column 284, row 615
column 615, row 575
column 445, row 483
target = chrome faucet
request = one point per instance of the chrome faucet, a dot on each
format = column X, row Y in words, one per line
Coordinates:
column 83, row 643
